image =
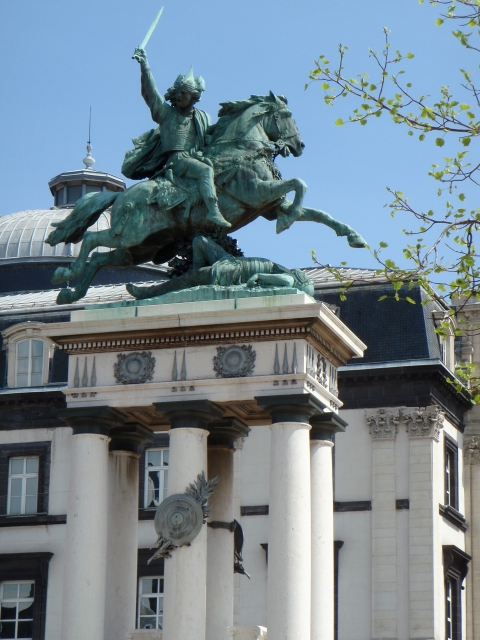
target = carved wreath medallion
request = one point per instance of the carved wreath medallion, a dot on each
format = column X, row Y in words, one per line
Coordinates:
column 179, row 519
column 134, row 368
column 236, row 361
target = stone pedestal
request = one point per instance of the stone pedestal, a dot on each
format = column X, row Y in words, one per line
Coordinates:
column 186, row 571
column 86, row 535
column 248, row 358
column 248, row 633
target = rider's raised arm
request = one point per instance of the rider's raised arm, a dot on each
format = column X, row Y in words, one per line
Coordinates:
column 151, row 95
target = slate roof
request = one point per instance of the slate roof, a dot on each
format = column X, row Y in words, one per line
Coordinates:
column 392, row 331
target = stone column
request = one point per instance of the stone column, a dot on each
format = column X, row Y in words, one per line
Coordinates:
column 383, row 425
column 186, row 571
column 122, row 534
column 289, row 522
column 86, row 533
column 321, row 445
column 220, row 539
column 471, row 459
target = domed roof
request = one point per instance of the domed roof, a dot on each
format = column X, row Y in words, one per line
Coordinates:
column 23, row 234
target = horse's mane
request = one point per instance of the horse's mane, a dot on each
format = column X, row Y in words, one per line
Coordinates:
column 231, row 110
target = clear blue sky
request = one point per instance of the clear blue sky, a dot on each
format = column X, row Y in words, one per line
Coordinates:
column 58, row 58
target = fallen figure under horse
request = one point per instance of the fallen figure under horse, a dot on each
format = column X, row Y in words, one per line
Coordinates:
column 153, row 218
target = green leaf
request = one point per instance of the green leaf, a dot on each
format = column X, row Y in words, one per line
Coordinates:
column 382, row 298
column 410, row 300
column 466, row 141
column 464, row 107
column 325, row 86
column 339, row 122
column 439, row 142
column 438, row 22
column 410, row 55
column 383, row 244
column 461, row 197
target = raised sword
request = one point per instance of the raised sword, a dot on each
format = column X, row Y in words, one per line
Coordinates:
column 151, row 30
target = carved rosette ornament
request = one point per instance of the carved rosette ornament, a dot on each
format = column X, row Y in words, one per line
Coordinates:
column 179, row 518
column 134, row 368
column 424, row 422
column 383, row 424
column 471, row 450
column 237, row 361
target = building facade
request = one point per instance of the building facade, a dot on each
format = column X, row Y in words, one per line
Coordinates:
column 405, row 483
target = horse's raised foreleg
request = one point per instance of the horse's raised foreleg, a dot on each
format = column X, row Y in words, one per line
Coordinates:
column 261, row 192
column 117, row 258
column 91, row 240
column 284, row 221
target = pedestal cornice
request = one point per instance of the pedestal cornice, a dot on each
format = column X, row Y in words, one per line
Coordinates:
column 326, row 425
column 92, row 420
column 190, row 414
column 300, row 407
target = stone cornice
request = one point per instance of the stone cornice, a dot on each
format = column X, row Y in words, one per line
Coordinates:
column 314, row 322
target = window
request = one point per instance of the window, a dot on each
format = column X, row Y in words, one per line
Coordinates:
column 59, row 197
column 74, row 193
column 455, row 567
column 156, row 476
column 92, row 189
column 17, row 602
column 451, row 473
column 23, row 594
column 29, row 363
column 24, row 479
column 150, row 603
column 23, row 485
column 450, row 606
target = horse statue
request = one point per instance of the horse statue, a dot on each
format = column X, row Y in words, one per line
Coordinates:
column 152, row 218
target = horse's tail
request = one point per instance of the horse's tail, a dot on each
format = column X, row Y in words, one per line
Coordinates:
column 85, row 213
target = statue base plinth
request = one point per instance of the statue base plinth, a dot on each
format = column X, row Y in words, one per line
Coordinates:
column 206, row 293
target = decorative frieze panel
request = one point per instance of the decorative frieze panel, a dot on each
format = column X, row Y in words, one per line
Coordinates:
column 134, row 368
column 424, row 422
column 236, row 361
column 471, row 450
column 383, row 423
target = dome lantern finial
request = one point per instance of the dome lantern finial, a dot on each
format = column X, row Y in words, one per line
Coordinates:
column 89, row 160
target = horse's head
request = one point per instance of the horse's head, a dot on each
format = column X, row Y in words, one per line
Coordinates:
column 281, row 128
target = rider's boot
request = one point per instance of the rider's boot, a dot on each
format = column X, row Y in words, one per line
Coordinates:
column 214, row 214
column 208, row 193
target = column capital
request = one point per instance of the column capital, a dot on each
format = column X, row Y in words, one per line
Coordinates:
column 471, row 450
column 424, row 422
column 92, row 420
column 326, row 425
column 295, row 407
column 383, row 423
column 192, row 414
column 129, row 437
column 226, row 431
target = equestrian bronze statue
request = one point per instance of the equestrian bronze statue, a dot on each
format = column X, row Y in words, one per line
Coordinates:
column 195, row 179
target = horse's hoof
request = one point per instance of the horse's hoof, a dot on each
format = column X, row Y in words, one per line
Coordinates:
column 283, row 223
column 356, row 241
column 66, row 296
column 60, row 275
column 134, row 291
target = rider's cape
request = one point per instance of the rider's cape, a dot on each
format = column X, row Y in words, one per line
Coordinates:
column 147, row 157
